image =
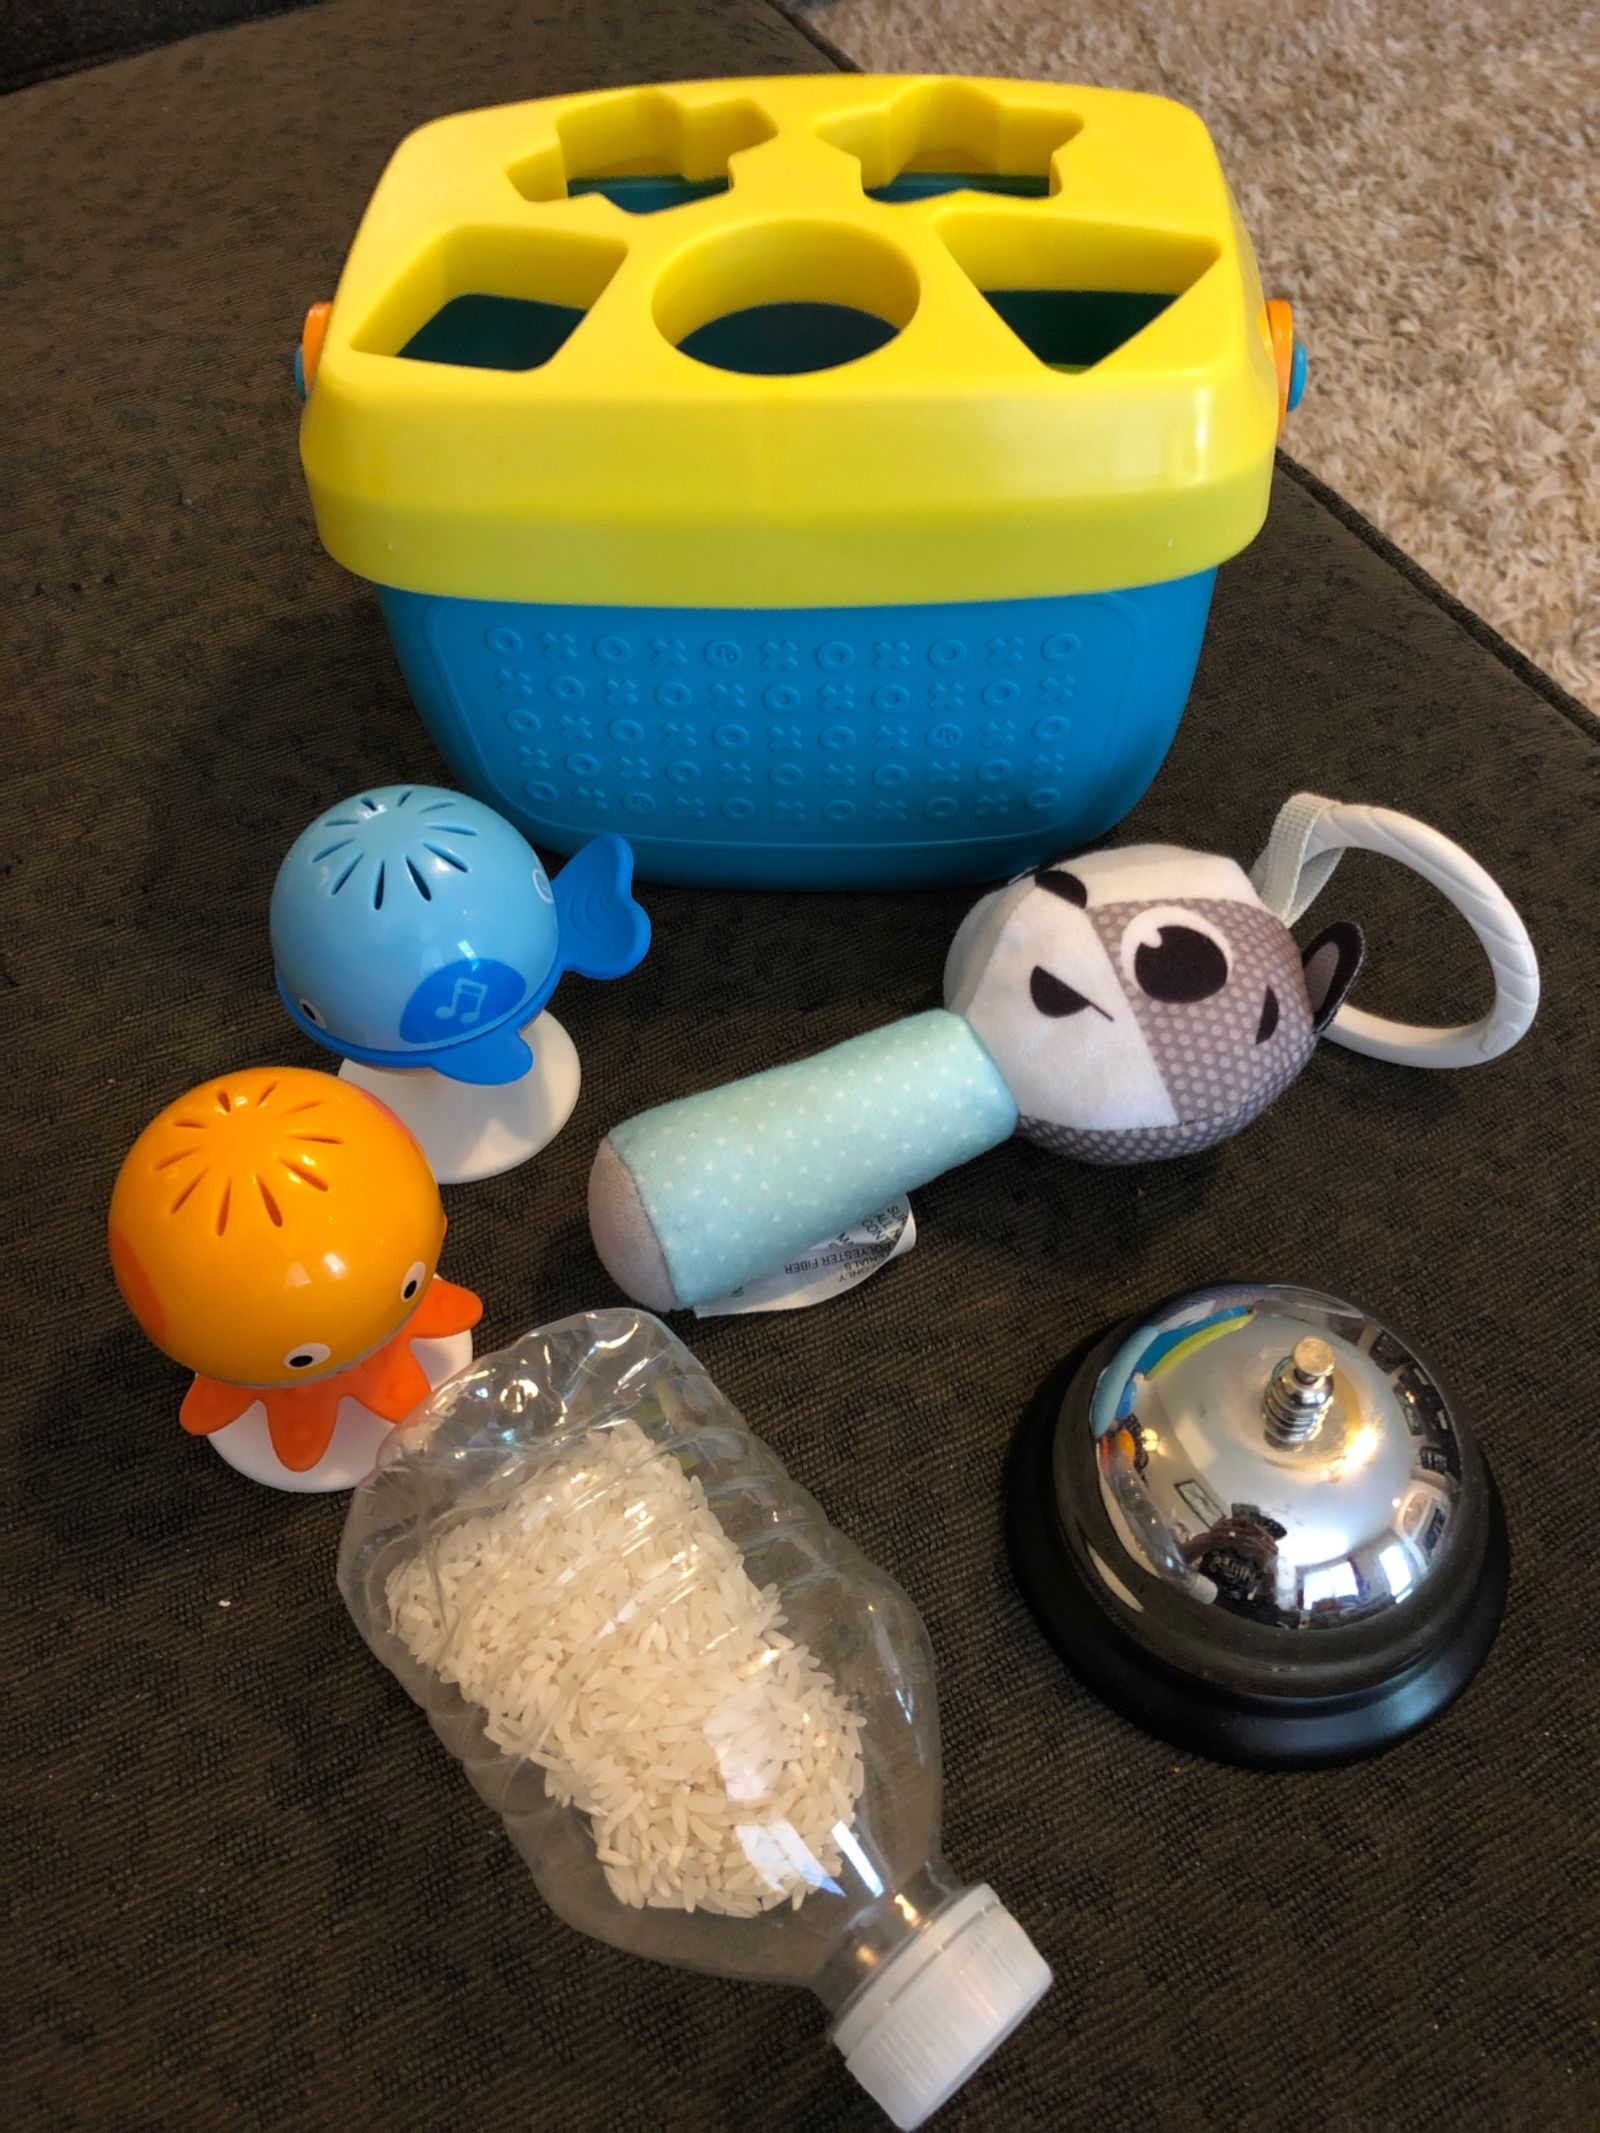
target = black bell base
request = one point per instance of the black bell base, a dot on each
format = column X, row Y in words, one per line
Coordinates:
column 1277, row 1732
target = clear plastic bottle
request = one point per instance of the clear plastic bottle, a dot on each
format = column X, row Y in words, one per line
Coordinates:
column 706, row 1719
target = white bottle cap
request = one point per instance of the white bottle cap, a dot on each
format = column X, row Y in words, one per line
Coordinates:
column 940, row 2006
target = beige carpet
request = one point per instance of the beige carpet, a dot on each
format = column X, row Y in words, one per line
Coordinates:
column 1420, row 179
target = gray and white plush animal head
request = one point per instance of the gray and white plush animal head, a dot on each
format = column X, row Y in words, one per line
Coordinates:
column 1143, row 1002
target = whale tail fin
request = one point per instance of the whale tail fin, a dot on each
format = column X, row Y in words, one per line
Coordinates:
column 604, row 932
column 486, row 1062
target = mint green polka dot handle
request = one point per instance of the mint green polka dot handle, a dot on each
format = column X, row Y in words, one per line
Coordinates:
column 704, row 1191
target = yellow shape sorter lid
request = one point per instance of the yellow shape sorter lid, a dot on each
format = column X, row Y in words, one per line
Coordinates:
column 555, row 371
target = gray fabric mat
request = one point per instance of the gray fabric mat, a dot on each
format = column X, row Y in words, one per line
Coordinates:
column 248, row 1888
column 37, row 42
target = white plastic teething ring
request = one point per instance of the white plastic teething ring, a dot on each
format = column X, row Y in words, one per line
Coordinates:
column 1308, row 837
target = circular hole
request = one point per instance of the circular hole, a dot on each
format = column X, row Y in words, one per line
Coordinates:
column 782, row 299
column 787, row 340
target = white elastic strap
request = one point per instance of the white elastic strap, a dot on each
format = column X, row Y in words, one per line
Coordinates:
column 1303, row 850
column 1286, row 878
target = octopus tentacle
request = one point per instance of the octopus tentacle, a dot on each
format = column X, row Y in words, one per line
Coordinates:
column 393, row 1391
column 445, row 1308
column 301, row 1419
column 300, row 1424
column 209, row 1405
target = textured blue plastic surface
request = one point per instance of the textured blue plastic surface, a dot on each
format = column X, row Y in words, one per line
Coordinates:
column 860, row 747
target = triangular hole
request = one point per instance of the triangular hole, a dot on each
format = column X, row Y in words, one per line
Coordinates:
column 1071, row 330
column 1073, row 291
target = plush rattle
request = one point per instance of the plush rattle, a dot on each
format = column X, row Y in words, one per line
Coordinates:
column 1120, row 1007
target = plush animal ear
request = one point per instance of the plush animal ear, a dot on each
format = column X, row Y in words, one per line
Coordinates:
column 1332, row 964
column 1060, row 882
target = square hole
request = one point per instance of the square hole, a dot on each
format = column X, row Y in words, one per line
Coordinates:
column 492, row 299
column 479, row 332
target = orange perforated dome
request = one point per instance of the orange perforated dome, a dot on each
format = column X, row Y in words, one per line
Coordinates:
column 274, row 1226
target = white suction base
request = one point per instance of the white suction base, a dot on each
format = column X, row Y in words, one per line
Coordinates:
column 357, row 1434
column 468, row 1132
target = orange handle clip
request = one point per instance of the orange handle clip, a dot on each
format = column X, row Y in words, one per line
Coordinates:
column 1280, row 331
column 312, row 335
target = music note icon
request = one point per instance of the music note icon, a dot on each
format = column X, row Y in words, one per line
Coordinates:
column 455, row 1010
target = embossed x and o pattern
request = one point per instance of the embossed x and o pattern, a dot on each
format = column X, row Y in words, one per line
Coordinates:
column 868, row 729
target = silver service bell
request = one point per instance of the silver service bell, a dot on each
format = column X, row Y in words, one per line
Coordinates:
column 1252, row 1521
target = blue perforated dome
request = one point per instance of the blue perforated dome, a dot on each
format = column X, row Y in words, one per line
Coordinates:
column 408, row 921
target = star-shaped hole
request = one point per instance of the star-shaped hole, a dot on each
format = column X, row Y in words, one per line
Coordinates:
column 644, row 150
column 950, row 137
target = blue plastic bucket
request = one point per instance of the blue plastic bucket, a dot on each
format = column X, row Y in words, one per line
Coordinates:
column 860, row 747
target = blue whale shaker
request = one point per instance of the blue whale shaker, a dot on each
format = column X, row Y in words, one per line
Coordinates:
column 413, row 927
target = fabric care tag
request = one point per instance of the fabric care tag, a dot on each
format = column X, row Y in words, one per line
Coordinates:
column 828, row 1269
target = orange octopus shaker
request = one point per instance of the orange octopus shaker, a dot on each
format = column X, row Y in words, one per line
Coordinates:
column 277, row 1233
